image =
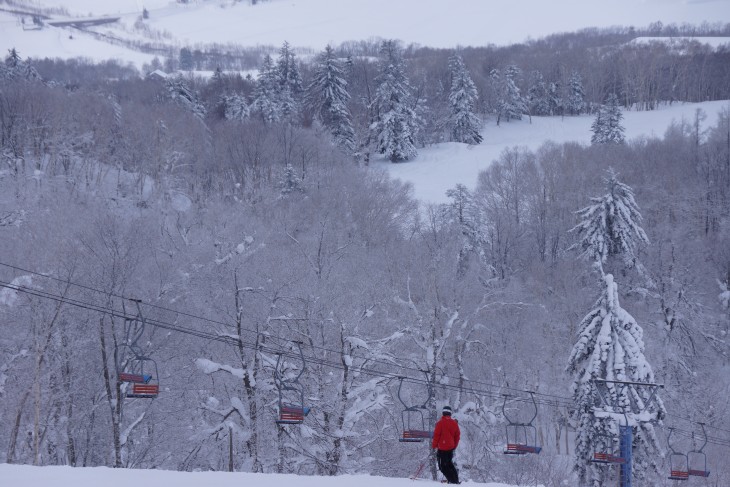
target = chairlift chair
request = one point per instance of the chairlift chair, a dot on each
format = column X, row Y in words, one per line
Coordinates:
column 697, row 460
column 521, row 436
column 291, row 393
column 608, row 455
column 133, row 366
column 141, row 372
column 678, row 462
column 413, row 420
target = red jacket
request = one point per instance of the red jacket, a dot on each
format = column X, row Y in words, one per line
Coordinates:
column 446, row 435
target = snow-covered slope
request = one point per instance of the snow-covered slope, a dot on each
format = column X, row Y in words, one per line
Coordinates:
column 27, row 476
column 314, row 23
column 441, row 167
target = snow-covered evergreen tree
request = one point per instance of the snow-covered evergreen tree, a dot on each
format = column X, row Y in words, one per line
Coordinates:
column 236, row 107
column 538, row 96
column 186, row 59
column 610, row 343
column 606, row 127
column 266, row 94
column 396, row 124
column 611, row 225
column 610, row 346
column 327, row 96
column 290, row 182
column 289, row 81
column 510, row 104
column 179, row 91
column 464, row 125
column 575, row 103
column 288, row 70
column 555, row 101
column 14, row 68
column 13, row 60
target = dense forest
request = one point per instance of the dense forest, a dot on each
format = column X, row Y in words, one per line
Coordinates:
column 239, row 221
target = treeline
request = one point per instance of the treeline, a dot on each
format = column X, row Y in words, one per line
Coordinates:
column 256, row 233
column 642, row 75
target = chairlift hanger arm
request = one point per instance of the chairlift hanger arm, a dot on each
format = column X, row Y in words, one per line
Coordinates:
column 279, row 372
column 515, row 423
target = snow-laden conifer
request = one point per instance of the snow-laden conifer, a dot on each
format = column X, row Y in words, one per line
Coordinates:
column 463, row 123
column 538, row 95
column 290, row 182
column 14, row 68
column 555, row 101
column 610, row 346
column 266, row 93
column 179, row 91
column 289, row 82
column 606, row 127
column 611, row 225
column 236, row 107
column 396, row 124
column 288, row 70
column 327, row 97
column 575, row 103
column 510, row 104
column 610, row 343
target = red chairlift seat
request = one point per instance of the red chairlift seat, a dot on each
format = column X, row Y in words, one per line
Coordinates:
column 601, row 457
column 138, row 378
column 678, row 475
column 144, row 391
column 521, row 449
column 415, row 436
column 699, row 473
column 289, row 414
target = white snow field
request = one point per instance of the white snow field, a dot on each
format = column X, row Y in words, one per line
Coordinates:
column 440, row 167
column 314, row 23
column 27, row 476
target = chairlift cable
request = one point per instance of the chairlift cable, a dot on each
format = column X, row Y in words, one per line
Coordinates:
column 499, row 388
column 262, row 348
column 557, row 401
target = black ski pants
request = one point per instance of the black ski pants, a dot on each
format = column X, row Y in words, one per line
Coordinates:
column 446, row 465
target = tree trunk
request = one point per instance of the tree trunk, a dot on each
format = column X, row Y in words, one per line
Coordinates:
column 114, row 401
column 41, row 350
column 253, row 441
column 66, row 374
column 16, row 427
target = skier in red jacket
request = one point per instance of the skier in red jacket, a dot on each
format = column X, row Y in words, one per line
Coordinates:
column 445, row 439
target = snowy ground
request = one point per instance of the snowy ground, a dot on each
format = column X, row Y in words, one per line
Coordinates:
column 442, row 166
column 314, row 23
column 27, row 476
